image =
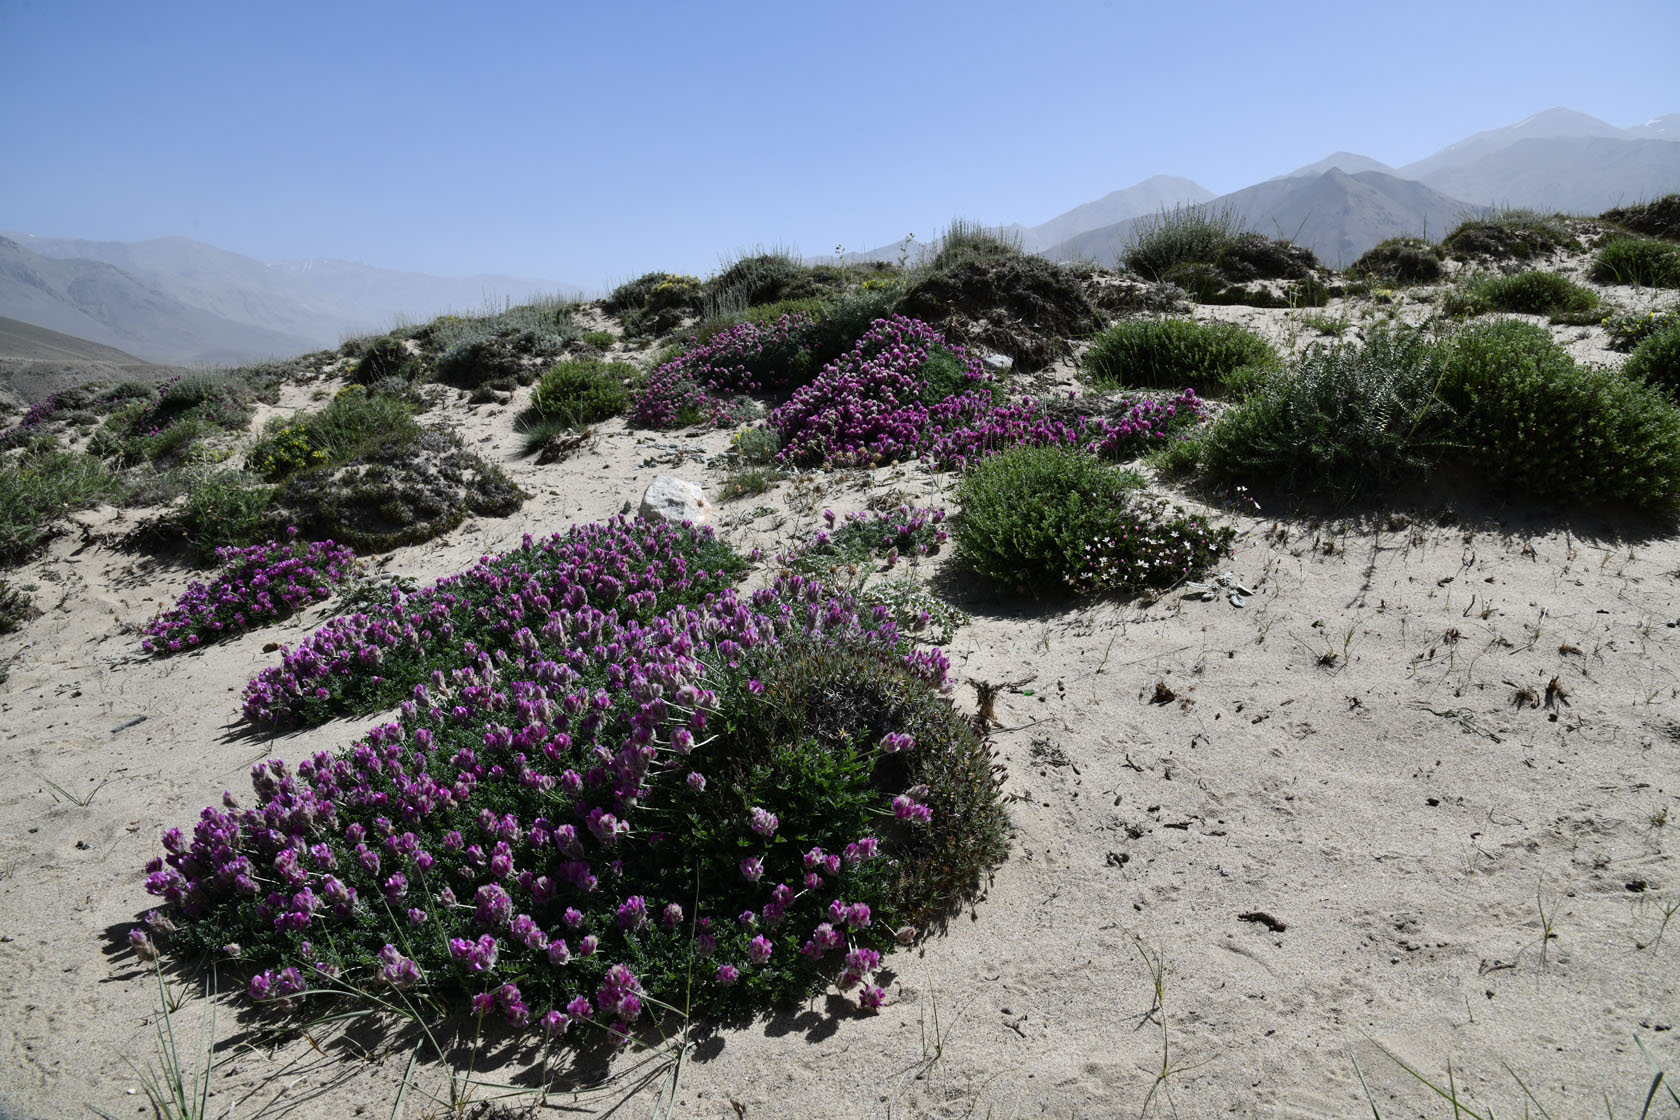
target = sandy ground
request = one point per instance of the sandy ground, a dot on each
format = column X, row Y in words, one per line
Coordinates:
column 1337, row 820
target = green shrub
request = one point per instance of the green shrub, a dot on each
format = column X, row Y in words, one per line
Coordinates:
column 582, row 391
column 1184, row 234
column 223, row 507
column 1653, row 219
column 37, row 490
column 1346, row 421
column 1400, row 260
column 165, row 423
column 16, row 608
column 1630, row 329
column 1528, row 416
column 1532, row 293
column 1254, row 256
column 1644, row 261
column 384, row 358
column 1656, row 360
column 407, row 490
column 1508, row 235
column 355, row 422
column 763, row 278
column 480, row 361
column 600, row 340
column 1028, row 514
column 1174, row 353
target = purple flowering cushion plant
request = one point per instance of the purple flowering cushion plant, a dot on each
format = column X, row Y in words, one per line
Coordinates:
column 555, row 830
column 256, row 586
column 706, row 382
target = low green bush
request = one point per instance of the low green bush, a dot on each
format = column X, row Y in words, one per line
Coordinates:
column 1629, row 329
column 1508, row 235
column 583, row 391
column 1400, row 260
column 1532, row 293
column 354, row 422
column 1344, row 422
column 1174, row 353
column 1528, row 416
column 1643, row 261
column 479, row 361
column 970, row 241
column 1656, row 360
column 384, row 358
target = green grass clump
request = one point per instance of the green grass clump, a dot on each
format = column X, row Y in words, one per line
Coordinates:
column 1643, row 261
column 167, row 424
column 1400, row 260
column 1528, row 416
column 1346, row 421
column 970, row 241
column 1508, row 235
column 1660, row 218
column 1532, row 293
column 582, row 391
column 1175, row 353
column 1182, row 235
column 36, row 490
column 1656, row 360
column 223, row 507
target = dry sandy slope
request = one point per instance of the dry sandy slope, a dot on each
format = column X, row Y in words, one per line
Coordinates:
column 1399, row 818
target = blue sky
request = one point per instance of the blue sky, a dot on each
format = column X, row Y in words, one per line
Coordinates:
column 588, row 143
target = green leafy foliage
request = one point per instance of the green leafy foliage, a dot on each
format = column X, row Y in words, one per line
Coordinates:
column 384, row 358
column 1528, row 416
column 1532, row 293
column 1174, row 353
column 1346, row 421
column 1644, row 261
column 355, row 422
column 1656, row 360
column 1028, row 513
column 583, row 391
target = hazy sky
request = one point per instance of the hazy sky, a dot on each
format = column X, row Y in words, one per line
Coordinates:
column 590, row 142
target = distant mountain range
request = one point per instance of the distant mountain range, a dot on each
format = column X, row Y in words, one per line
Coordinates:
column 1345, row 203
column 178, row 301
column 181, row 301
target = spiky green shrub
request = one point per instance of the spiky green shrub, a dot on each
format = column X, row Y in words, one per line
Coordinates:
column 223, row 508
column 1345, row 421
column 1532, row 293
column 1528, row 416
column 1400, row 260
column 762, row 278
column 583, row 391
column 1174, row 353
column 1183, row 234
column 1656, row 360
column 1644, row 261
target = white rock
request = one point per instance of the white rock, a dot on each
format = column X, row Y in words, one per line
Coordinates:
column 676, row 500
column 998, row 363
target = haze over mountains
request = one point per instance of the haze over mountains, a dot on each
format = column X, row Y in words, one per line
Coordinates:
column 176, row 300
column 181, row 301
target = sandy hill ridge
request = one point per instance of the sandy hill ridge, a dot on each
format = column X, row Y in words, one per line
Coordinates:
column 1414, row 794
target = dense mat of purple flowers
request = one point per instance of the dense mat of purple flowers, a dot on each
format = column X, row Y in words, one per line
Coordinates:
column 598, row 807
column 257, row 585
column 704, row 384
